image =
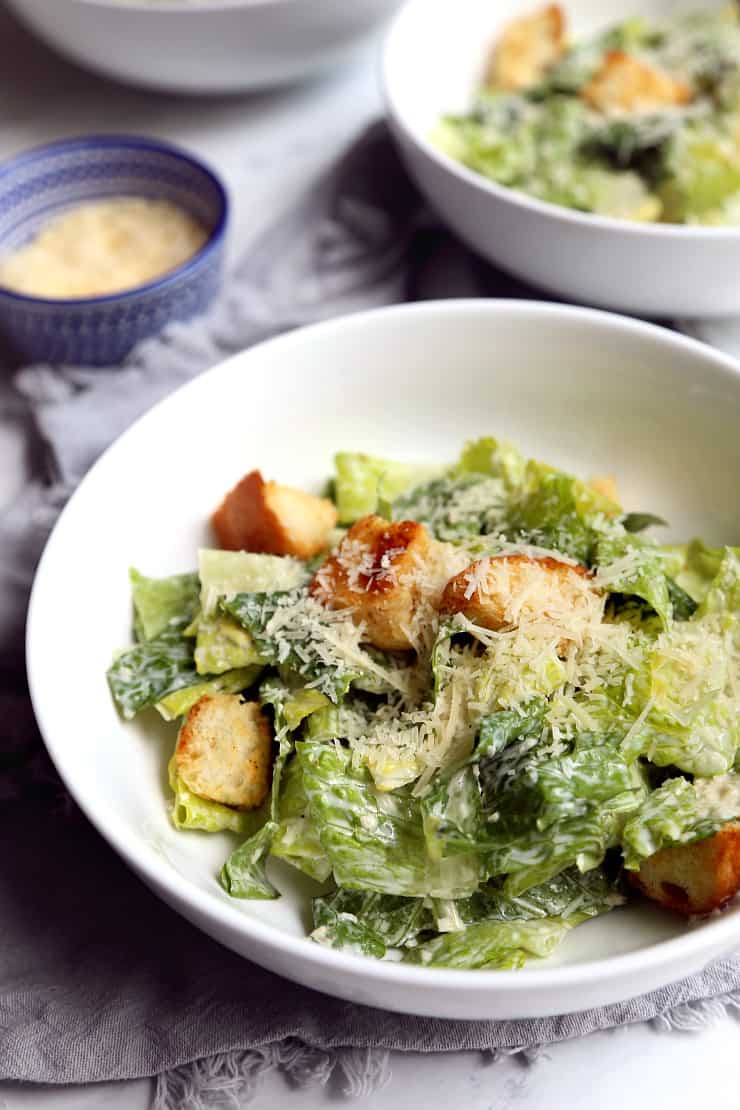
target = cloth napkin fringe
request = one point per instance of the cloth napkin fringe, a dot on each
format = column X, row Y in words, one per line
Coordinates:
column 232, row 1079
column 691, row 1017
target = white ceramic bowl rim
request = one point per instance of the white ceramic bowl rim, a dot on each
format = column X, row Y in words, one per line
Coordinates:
column 723, row 929
column 514, row 196
column 135, row 142
column 190, row 6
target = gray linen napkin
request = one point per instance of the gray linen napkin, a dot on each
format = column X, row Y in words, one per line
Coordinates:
column 98, row 979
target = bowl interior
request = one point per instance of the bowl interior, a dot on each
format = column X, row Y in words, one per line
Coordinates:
column 43, row 183
column 588, row 392
column 436, row 52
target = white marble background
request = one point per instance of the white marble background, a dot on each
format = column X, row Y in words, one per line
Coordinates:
column 268, row 148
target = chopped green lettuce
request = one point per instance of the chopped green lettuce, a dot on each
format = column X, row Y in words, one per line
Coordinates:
column 178, row 703
column 495, row 458
column 296, row 837
column 549, row 805
column 317, row 646
column 150, row 671
column 374, row 840
column 369, row 923
column 492, row 944
column 225, row 573
column 557, row 511
column 571, row 892
column 162, row 604
column 689, row 717
column 455, row 508
column 673, row 814
column 630, row 565
column 221, row 644
column 190, row 811
column 364, row 484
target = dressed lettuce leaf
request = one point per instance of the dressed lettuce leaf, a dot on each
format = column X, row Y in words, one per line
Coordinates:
column 225, row 573
column 374, row 840
column 162, row 604
column 364, row 484
column 493, row 944
column 673, row 814
column 150, row 671
column 369, row 923
column 190, row 811
column 560, row 512
column 455, row 508
column 178, row 703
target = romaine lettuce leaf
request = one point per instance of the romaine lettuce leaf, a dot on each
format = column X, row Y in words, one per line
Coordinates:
column 363, row 484
column 632, row 566
column 162, row 604
column 571, row 892
column 244, row 875
column 495, row 458
column 369, row 922
column 296, row 838
column 146, row 673
column 374, row 840
column 225, row 573
column 549, row 805
column 295, row 632
column 180, row 702
column 688, row 718
column 193, row 812
column 492, row 944
column 221, row 644
column 559, row 512
column 672, row 814
column 455, row 508
column 319, row 647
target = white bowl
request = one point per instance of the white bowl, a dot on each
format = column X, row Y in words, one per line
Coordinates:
column 434, row 60
column 585, row 390
column 205, row 46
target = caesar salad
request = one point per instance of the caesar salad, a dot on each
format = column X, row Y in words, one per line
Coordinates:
column 639, row 122
column 474, row 702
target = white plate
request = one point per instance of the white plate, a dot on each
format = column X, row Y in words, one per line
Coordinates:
column 590, row 392
column 205, row 46
column 434, row 60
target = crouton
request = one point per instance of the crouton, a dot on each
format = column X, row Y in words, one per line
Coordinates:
column 527, row 48
column 694, row 878
column 607, row 487
column 277, row 520
column 375, row 571
column 507, row 591
column 624, row 83
column 224, row 751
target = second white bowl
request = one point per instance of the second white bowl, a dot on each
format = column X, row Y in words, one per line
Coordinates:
column 205, row 46
column 434, row 59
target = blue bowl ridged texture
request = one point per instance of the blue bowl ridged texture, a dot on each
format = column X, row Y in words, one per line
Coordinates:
column 98, row 331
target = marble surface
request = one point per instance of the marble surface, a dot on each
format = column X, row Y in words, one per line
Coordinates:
column 268, row 148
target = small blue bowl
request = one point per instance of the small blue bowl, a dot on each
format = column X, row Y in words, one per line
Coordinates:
column 99, row 331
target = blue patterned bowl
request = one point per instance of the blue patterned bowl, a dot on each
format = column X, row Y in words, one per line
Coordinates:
column 99, row 331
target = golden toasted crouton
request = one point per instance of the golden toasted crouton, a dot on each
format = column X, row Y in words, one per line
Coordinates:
column 623, row 83
column 694, row 878
column 527, row 48
column 506, row 591
column 278, row 520
column 375, row 572
column 224, row 751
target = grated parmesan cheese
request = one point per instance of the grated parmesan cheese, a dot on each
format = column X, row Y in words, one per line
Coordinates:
column 104, row 247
